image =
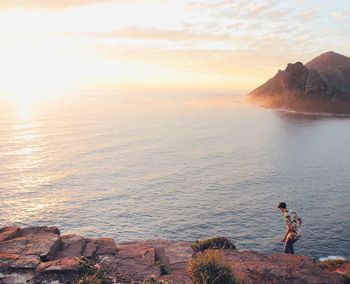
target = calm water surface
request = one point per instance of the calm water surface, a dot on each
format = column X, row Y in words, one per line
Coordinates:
column 178, row 168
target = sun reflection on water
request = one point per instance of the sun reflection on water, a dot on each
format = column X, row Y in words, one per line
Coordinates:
column 27, row 163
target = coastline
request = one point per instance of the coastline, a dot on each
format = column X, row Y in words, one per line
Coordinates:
column 43, row 255
column 310, row 113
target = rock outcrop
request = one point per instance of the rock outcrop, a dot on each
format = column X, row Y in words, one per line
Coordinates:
column 321, row 85
column 43, row 255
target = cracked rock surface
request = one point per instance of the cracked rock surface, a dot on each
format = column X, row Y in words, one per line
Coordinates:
column 42, row 255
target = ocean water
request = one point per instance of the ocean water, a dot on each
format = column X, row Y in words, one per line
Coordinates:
column 177, row 167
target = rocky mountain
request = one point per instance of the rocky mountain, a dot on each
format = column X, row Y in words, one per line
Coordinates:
column 321, row 85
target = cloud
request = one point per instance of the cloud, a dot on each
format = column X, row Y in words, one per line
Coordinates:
column 217, row 5
column 270, row 10
column 143, row 33
column 48, row 4
column 308, row 16
column 338, row 16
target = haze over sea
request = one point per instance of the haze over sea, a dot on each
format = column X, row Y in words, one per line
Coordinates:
column 178, row 167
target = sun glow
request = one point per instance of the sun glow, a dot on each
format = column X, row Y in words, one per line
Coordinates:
column 34, row 68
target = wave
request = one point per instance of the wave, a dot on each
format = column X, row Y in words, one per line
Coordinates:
column 332, row 257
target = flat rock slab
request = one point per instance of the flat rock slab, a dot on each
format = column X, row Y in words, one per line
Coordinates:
column 254, row 268
column 8, row 260
column 134, row 262
column 139, row 260
column 60, row 265
column 179, row 252
column 128, row 270
column 71, row 246
column 39, row 230
column 20, row 277
column 8, row 233
column 43, row 245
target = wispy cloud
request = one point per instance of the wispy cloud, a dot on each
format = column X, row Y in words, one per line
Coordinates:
column 211, row 5
column 149, row 33
column 48, row 4
column 338, row 16
column 309, row 15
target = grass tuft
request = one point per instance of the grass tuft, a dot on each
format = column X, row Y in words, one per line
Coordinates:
column 212, row 243
column 209, row 268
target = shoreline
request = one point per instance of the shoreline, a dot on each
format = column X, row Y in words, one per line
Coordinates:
column 42, row 254
column 310, row 113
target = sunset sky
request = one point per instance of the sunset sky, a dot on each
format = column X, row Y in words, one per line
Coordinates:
column 49, row 46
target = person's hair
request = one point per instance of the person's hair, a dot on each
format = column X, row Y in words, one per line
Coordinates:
column 282, row 205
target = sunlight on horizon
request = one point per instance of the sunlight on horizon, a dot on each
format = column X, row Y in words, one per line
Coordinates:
column 52, row 48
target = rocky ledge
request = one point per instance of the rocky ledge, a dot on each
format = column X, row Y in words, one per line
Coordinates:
column 43, row 255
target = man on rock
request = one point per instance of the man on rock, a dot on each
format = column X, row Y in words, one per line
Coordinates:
column 293, row 223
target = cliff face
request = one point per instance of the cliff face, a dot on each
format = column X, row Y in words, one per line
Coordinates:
column 43, row 255
column 322, row 85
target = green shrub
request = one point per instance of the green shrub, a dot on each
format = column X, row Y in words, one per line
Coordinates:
column 213, row 243
column 209, row 268
column 91, row 274
column 153, row 280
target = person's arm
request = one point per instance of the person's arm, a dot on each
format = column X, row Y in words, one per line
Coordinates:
column 289, row 230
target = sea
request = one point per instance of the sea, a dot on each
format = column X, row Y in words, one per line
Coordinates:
column 180, row 167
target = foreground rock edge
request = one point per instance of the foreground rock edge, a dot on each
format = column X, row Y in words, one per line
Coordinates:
column 43, row 255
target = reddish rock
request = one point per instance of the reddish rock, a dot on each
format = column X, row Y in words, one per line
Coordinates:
column 90, row 248
column 66, row 264
column 17, row 277
column 179, row 252
column 71, row 246
column 106, row 246
column 39, row 230
column 338, row 266
column 8, row 260
column 178, row 277
column 253, row 267
column 134, row 262
column 42, row 244
column 8, row 233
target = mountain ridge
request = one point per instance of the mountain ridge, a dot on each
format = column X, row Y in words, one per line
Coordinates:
column 321, row 85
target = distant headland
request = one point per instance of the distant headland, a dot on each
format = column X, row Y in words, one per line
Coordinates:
column 43, row 255
column 321, row 85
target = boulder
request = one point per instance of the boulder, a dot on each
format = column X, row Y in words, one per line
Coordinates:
column 90, row 248
column 43, row 245
column 106, row 246
column 71, row 246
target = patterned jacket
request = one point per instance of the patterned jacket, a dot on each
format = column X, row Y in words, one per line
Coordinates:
column 291, row 218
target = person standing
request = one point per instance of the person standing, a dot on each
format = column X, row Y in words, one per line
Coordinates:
column 293, row 232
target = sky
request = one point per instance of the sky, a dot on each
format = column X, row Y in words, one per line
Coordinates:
column 51, row 46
